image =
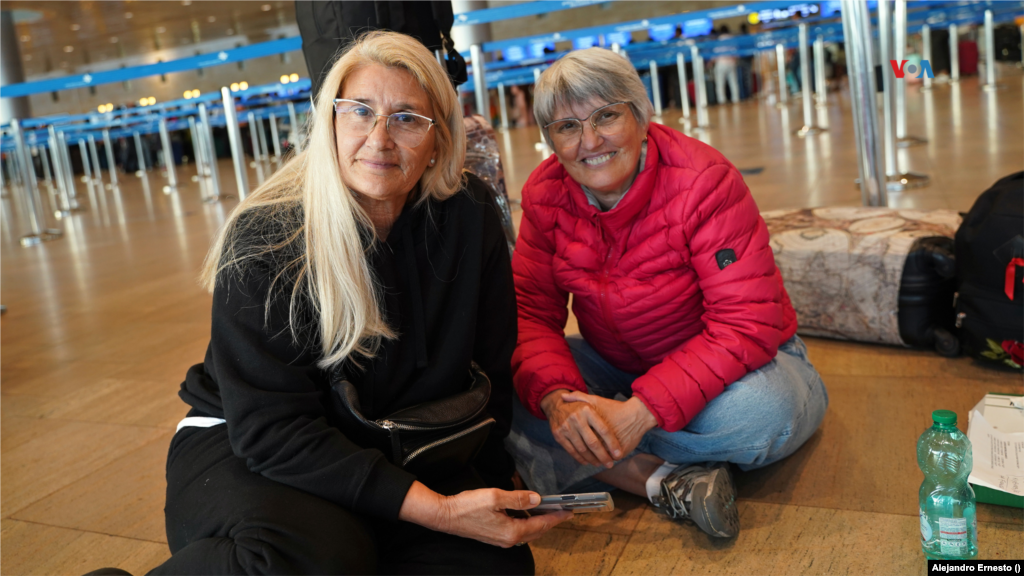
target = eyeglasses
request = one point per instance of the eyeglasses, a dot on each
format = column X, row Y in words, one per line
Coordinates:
column 606, row 121
column 357, row 119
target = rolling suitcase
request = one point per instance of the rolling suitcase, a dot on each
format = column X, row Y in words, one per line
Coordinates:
column 869, row 274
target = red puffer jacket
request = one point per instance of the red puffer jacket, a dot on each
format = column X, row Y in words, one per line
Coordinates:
column 648, row 290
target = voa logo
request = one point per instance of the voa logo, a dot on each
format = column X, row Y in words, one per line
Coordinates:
column 902, row 68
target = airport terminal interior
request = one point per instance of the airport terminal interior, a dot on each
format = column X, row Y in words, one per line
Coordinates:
column 105, row 314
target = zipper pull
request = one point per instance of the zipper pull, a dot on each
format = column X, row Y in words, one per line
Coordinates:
column 960, row 319
column 956, row 296
column 396, row 444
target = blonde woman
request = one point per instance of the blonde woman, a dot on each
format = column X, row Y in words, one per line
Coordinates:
column 371, row 255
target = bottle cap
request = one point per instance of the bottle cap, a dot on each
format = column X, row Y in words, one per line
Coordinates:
column 944, row 417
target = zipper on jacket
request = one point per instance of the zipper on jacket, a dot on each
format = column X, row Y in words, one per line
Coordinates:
column 396, row 443
column 606, row 309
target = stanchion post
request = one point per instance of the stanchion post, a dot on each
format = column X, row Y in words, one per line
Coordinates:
column 64, row 208
column 656, row 88
column 262, row 134
column 541, row 146
column 926, row 54
column 97, row 170
column 139, row 151
column 69, row 174
column 780, row 62
column 700, row 88
column 235, row 138
column 275, row 136
column 885, row 54
column 857, row 37
column 990, row 54
column 476, row 53
column 44, row 159
column 805, row 85
column 503, row 106
column 108, row 148
column 90, row 183
column 954, row 53
column 820, row 83
column 206, row 136
column 684, row 98
column 165, row 143
column 199, row 155
column 295, row 136
column 35, row 218
column 253, row 137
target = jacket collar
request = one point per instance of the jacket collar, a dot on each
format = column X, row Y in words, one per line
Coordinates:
column 638, row 196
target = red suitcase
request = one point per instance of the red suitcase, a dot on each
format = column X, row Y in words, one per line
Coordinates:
column 968, row 50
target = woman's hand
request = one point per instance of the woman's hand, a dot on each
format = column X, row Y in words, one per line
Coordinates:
column 629, row 420
column 581, row 430
column 479, row 514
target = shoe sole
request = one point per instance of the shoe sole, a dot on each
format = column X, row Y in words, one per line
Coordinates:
column 714, row 505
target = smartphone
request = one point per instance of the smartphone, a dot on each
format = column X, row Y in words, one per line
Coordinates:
column 577, row 503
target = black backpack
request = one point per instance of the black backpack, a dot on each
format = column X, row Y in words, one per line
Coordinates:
column 990, row 275
column 328, row 27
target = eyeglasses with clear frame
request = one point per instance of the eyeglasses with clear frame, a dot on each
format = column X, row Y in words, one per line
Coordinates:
column 357, row 119
column 607, row 120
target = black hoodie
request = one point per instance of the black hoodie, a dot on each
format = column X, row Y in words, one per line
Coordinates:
column 447, row 291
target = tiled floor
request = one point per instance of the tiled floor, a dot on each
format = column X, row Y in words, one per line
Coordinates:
column 102, row 324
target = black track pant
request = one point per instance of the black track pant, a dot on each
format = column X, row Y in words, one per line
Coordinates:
column 224, row 519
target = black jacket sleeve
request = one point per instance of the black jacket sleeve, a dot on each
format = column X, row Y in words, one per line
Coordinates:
column 496, row 340
column 275, row 418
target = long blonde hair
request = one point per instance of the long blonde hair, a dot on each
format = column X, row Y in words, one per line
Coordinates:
column 321, row 220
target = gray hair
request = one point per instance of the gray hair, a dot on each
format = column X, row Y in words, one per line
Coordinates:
column 592, row 74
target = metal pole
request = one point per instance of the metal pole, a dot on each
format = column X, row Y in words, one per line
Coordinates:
column 295, row 135
column 44, row 157
column 64, row 209
column 857, row 37
column 139, row 152
column 885, row 54
column 805, row 85
column 656, row 88
column 684, row 98
column 275, row 137
column 700, row 88
column 97, row 170
column 165, row 143
column 954, row 54
column 258, row 162
column 235, row 138
column 820, row 84
column 926, row 54
column 69, row 174
column 89, row 182
column 479, row 81
column 899, row 54
column 616, row 48
column 780, row 61
column 990, row 54
column 264, row 151
column 206, row 135
column 36, row 233
column 200, row 156
column 543, row 144
column 503, row 106
column 111, row 165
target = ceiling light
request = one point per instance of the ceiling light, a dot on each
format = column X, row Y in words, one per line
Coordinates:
column 284, row 79
column 188, row 95
column 196, row 93
column 76, row 27
column 69, row 49
column 234, row 86
column 294, row 77
column 243, row 85
column 211, row 19
column 127, row 14
column 143, row 101
column 265, row 7
column 152, row 100
column 101, row 108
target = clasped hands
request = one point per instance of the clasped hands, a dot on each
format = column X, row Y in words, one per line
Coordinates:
column 596, row 430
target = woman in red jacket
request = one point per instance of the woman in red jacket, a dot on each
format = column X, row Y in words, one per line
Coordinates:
column 688, row 357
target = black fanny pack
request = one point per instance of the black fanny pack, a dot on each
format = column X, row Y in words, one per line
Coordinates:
column 431, row 439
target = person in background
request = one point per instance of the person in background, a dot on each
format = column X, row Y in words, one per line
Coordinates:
column 687, row 358
column 725, row 71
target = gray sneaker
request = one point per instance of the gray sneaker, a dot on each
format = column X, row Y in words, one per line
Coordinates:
column 712, row 505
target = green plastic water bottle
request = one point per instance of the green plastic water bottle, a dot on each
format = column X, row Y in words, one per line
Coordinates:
column 949, row 525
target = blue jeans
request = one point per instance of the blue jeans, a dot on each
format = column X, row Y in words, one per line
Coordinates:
column 759, row 419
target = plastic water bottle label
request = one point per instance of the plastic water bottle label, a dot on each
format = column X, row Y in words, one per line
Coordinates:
column 926, row 527
column 953, row 535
